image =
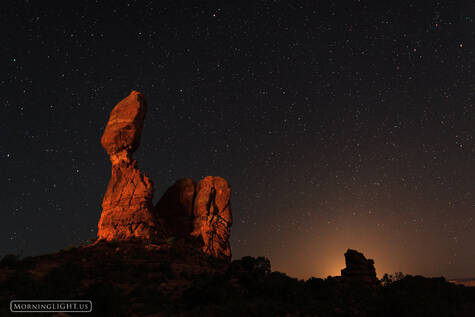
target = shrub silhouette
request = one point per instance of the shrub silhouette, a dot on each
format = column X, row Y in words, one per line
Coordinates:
column 9, row 260
column 254, row 266
column 388, row 279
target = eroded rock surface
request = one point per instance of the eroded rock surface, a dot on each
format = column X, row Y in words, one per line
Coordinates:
column 127, row 204
column 212, row 216
column 358, row 268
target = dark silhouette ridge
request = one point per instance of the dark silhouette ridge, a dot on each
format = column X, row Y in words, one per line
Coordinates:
column 175, row 278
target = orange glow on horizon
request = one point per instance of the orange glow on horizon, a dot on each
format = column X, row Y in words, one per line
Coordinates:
column 333, row 267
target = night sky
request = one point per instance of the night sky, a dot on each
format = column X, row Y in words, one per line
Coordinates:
column 338, row 126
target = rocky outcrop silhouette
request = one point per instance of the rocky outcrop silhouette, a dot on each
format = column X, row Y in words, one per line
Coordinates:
column 127, row 204
column 201, row 211
column 358, row 268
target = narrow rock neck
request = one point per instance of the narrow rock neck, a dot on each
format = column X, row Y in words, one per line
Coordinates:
column 121, row 156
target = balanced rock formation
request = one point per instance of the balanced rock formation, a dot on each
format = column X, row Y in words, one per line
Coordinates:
column 212, row 216
column 358, row 268
column 200, row 211
column 127, row 204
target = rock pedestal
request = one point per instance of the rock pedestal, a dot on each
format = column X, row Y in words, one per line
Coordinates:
column 127, row 204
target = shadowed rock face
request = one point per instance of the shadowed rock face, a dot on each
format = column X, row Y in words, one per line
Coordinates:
column 202, row 211
column 358, row 268
column 127, row 204
column 176, row 207
column 212, row 215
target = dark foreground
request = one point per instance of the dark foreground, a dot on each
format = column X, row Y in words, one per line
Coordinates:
column 174, row 279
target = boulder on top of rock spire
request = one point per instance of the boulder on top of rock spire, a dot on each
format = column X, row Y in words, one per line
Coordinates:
column 123, row 130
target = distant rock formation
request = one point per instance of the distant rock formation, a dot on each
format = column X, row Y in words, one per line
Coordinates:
column 358, row 268
column 469, row 282
column 127, row 204
column 201, row 211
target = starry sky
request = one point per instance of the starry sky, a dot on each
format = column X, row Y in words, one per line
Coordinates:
column 344, row 124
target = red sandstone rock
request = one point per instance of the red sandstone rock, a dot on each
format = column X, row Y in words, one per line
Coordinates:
column 127, row 204
column 212, row 216
column 176, row 207
column 358, row 268
column 202, row 210
column 123, row 130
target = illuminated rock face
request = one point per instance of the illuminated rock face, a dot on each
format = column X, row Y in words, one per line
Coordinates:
column 127, row 204
column 123, row 130
column 201, row 211
column 358, row 268
column 212, row 216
